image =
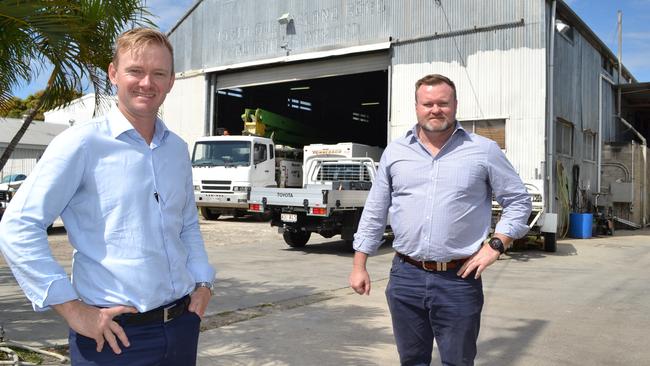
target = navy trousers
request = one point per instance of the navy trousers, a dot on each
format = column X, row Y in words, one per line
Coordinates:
column 434, row 305
column 155, row 344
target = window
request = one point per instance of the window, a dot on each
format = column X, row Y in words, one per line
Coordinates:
column 271, row 152
column 494, row 129
column 360, row 117
column 564, row 138
column 299, row 104
column 259, row 153
column 589, row 139
column 235, row 92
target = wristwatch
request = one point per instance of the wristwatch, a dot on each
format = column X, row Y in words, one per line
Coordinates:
column 497, row 244
column 207, row 285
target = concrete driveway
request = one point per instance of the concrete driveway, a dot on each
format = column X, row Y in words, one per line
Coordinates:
column 584, row 305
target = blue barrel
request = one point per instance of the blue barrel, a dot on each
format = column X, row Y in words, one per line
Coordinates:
column 580, row 225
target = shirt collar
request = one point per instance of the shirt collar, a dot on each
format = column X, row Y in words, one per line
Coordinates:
column 413, row 132
column 118, row 125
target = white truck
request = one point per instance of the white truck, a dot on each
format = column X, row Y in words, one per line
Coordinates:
column 224, row 168
column 336, row 182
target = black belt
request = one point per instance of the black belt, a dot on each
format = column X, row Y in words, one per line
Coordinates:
column 162, row 314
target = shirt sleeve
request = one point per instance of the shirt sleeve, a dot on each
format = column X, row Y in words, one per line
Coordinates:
column 510, row 193
column 198, row 263
column 23, row 230
column 369, row 235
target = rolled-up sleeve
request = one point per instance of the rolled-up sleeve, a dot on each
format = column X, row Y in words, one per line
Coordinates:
column 369, row 235
column 190, row 235
column 510, row 193
column 23, row 230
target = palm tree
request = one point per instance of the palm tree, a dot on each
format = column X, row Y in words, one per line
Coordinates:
column 75, row 37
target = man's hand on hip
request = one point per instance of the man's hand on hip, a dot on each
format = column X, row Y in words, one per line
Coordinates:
column 479, row 262
column 96, row 323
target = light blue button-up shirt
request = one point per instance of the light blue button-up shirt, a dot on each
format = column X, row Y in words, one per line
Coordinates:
column 440, row 207
column 129, row 211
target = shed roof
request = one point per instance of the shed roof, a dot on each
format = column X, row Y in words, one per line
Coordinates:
column 39, row 133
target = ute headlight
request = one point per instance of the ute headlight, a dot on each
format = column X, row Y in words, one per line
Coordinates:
column 241, row 189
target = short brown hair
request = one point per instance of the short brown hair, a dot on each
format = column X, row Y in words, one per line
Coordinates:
column 137, row 38
column 434, row 79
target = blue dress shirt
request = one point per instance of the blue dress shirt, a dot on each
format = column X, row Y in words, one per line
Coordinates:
column 129, row 211
column 440, row 207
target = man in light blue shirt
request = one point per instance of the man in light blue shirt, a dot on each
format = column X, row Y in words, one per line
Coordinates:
column 123, row 186
column 436, row 184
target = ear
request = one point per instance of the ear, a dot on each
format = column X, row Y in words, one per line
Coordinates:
column 112, row 73
column 171, row 81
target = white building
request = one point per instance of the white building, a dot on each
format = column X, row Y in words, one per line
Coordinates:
column 79, row 110
column 31, row 146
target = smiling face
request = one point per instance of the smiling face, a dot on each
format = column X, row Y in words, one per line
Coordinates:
column 143, row 77
column 435, row 107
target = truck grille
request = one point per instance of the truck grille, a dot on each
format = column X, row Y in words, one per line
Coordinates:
column 3, row 196
column 215, row 185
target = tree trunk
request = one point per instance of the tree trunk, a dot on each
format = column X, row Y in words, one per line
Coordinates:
column 19, row 135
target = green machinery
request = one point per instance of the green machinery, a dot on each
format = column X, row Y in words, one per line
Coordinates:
column 282, row 130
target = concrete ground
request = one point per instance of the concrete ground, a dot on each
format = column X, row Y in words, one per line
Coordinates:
column 584, row 305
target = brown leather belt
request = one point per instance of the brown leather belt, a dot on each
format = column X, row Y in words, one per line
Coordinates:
column 162, row 314
column 432, row 266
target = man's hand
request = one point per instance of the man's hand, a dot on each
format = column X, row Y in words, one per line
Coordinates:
column 96, row 323
column 483, row 258
column 199, row 301
column 359, row 277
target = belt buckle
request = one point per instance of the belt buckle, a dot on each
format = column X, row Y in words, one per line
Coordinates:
column 424, row 267
column 440, row 266
column 166, row 317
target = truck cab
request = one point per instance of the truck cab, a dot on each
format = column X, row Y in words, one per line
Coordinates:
column 224, row 168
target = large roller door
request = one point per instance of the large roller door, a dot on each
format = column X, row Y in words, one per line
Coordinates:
column 340, row 98
column 305, row 70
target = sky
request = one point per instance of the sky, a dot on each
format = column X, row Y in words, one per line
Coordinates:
column 599, row 15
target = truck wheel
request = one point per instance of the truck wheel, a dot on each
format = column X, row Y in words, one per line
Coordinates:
column 208, row 215
column 296, row 239
column 550, row 242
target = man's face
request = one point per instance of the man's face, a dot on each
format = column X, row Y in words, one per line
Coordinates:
column 435, row 107
column 143, row 78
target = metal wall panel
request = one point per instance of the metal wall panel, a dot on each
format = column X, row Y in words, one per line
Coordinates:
column 222, row 32
column 184, row 108
column 22, row 161
column 499, row 69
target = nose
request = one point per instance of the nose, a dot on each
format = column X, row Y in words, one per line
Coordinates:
column 145, row 81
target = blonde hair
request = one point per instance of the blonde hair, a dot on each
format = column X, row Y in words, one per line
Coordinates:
column 138, row 38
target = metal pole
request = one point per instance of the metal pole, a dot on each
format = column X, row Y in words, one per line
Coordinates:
column 620, row 58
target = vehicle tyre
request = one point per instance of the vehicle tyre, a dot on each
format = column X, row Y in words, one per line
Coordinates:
column 208, row 215
column 296, row 239
column 550, row 242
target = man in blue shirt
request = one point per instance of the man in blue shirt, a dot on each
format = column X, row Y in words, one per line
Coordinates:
column 122, row 184
column 436, row 184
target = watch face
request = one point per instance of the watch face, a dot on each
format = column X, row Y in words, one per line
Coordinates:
column 497, row 244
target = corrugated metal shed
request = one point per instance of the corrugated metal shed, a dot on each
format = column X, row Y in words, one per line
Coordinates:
column 39, row 134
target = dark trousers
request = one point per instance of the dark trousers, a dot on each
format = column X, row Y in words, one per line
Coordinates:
column 434, row 305
column 161, row 344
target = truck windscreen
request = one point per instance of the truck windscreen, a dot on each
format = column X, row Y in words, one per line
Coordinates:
column 222, row 153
